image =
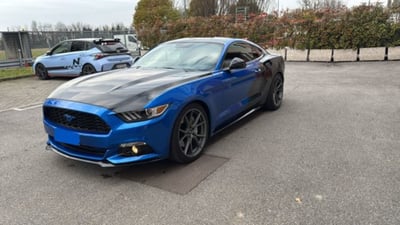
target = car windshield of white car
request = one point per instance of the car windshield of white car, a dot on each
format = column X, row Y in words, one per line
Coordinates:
column 183, row 55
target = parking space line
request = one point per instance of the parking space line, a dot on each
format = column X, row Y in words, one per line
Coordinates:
column 27, row 107
column 22, row 108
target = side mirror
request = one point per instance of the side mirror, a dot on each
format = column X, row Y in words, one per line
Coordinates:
column 135, row 59
column 48, row 53
column 237, row 63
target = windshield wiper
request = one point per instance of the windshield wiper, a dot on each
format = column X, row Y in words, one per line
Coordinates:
column 168, row 67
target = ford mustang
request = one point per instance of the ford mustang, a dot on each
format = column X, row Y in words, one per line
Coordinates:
column 166, row 106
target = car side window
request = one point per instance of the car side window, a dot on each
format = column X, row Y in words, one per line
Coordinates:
column 62, row 48
column 240, row 50
column 256, row 52
column 78, row 46
column 89, row 45
column 131, row 39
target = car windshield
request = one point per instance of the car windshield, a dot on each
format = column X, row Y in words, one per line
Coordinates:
column 183, row 55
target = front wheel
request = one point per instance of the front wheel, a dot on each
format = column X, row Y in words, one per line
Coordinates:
column 275, row 94
column 88, row 69
column 190, row 134
column 41, row 72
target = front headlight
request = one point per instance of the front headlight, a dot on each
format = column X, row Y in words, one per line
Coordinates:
column 149, row 113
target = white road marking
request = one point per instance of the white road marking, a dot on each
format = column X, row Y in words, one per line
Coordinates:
column 23, row 108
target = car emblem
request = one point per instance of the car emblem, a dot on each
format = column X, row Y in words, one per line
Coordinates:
column 69, row 118
column 52, row 102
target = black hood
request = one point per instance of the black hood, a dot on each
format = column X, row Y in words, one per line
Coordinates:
column 123, row 90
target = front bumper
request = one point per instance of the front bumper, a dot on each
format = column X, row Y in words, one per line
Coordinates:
column 104, row 149
column 102, row 164
column 99, row 163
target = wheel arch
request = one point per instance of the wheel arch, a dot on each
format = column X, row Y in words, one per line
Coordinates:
column 280, row 73
column 44, row 76
column 36, row 65
column 173, row 155
column 206, row 109
column 85, row 64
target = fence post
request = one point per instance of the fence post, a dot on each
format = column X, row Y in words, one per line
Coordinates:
column 386, row 53
column 286, row 48
column 332, row 59
column 308, row 55
column 20, row 57
column 358, row 55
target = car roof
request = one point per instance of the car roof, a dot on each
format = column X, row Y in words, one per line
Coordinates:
column 92, row 39
column 221, row 40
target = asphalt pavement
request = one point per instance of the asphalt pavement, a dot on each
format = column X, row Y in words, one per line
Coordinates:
column 329, row 155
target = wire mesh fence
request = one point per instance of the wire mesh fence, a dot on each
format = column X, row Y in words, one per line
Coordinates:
column 47, row 39
column 51, row 38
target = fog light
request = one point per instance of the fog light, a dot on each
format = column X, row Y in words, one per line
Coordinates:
column 134, row 149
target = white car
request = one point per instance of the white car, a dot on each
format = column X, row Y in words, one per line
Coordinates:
column 131, row 42
column 82, row 56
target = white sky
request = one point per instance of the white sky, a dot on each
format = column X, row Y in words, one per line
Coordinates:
column 19, row 14
column 283, row 4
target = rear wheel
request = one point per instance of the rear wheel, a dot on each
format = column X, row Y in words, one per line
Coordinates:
column 190, row 134
column 275, row 94
column 41, row 72
column 88, row 69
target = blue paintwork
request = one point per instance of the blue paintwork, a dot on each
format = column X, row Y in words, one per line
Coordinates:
column 224, row 94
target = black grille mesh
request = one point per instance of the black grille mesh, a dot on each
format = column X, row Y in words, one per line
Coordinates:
column 85, row 149
column 80, row 121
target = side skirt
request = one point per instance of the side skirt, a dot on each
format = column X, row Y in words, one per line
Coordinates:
column 248, row 113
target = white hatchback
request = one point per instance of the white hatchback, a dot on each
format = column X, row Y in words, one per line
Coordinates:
column 82, row 56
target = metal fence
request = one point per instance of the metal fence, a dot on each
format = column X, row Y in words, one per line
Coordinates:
column 46, row 40
column 40, row 39
column 340, row 55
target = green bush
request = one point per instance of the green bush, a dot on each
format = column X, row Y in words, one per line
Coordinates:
column 359, row 27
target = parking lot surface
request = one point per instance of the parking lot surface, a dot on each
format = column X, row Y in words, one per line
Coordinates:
column 329, row 155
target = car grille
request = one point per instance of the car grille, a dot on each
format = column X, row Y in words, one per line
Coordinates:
column 76, row 120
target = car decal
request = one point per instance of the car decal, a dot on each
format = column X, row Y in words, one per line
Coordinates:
column 75, row 62
column 56, row 68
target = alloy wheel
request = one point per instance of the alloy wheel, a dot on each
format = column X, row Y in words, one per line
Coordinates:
column 192, row 132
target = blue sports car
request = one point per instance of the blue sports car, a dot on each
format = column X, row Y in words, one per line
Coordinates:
column 166, row 106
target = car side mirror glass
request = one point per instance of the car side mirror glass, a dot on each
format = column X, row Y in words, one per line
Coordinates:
column 237, row 63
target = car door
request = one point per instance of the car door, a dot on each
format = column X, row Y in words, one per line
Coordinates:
column 56, row 60
column 243, row 89
column 76, row 58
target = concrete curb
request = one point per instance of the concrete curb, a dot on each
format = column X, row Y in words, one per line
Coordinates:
column 15, row 78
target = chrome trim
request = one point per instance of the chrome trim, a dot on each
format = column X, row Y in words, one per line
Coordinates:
column 102, row 164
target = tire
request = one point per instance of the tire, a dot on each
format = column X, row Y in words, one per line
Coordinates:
column 41, row 72
column 88, row 69
column 275, row 94
column 190, row 134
